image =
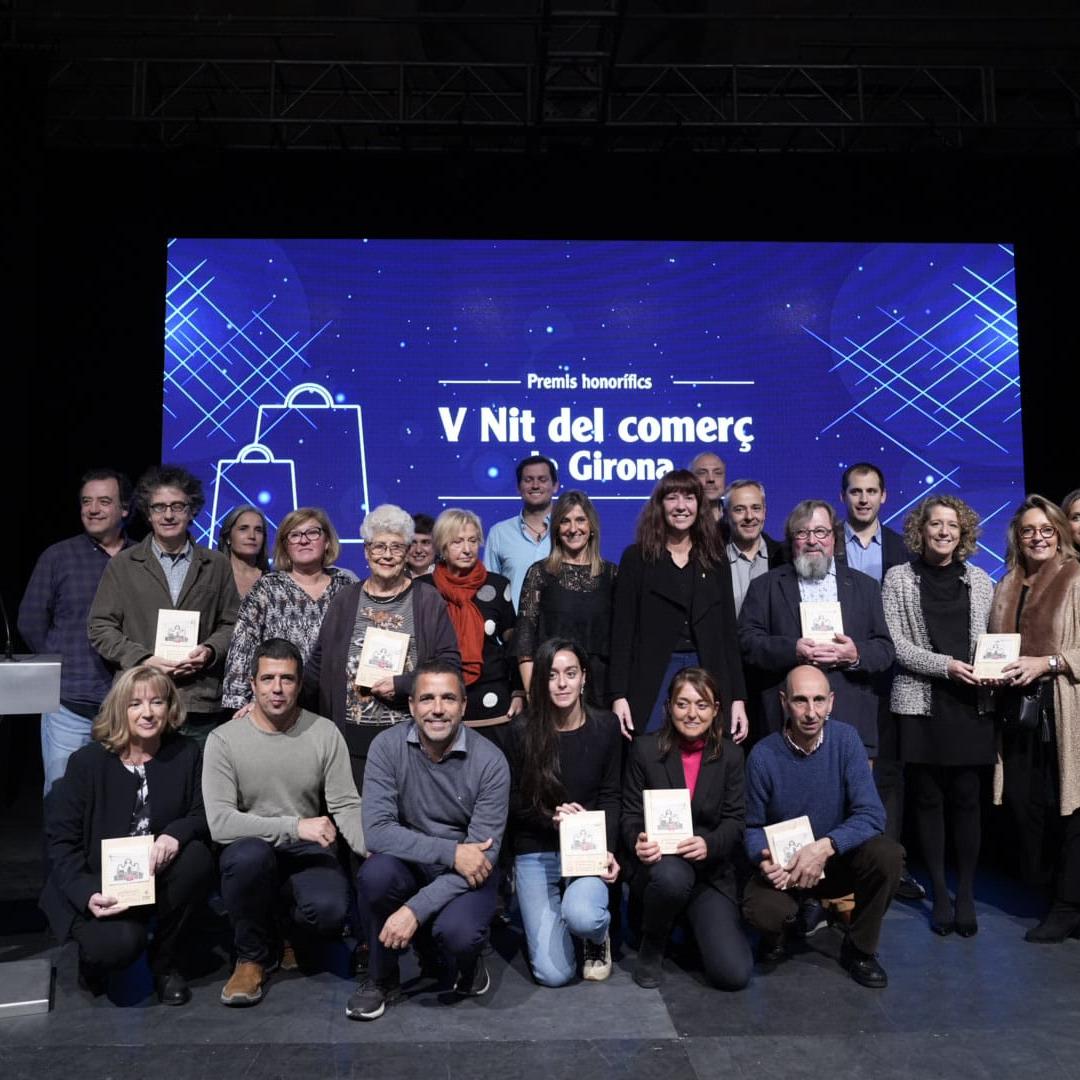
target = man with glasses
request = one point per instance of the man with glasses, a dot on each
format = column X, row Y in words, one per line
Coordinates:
column 52, row 615
column 772, row 638
column 169, row 571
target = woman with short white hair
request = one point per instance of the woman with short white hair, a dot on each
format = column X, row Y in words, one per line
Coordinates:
column 404, row 622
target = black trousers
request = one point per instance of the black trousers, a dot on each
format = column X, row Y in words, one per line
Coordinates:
column 258, row 880
column 1049, row 844
column 116, row 941
column 670, row 888
column 870, row 871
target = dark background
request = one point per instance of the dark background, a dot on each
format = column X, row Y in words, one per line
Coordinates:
column 85, row 210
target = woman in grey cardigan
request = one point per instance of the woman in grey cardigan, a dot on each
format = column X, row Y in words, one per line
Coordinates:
column 936, row 607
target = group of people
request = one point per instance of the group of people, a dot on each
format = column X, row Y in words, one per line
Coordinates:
column 275, row 766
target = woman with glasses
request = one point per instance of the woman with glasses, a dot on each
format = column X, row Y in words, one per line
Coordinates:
column 243, row 539
column 169, row 571
column 1070, row 507
column 936, row 607
column 1039, row 778
column 569, row 594
column 481, row 609
column 674, row 609
column 289, row 602
column 391, row 620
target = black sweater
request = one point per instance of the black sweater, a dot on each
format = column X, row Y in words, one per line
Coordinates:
column 590, row 766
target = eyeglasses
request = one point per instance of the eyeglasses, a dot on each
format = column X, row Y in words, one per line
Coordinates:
column 298, row 536
column 379, row 548
column 820, row 533
column 1045, row 531
column 157, row 509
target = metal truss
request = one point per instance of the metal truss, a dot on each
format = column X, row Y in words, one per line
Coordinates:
column 537, row 74
column 582, row 100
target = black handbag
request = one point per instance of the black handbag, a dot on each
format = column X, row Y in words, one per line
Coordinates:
column 1022, row 710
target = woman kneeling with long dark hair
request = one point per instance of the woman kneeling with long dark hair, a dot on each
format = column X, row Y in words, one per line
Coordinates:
column 689, row 751
column 565, row 757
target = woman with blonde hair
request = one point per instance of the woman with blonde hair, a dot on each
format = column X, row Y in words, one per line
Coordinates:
column 139, row 777
column 1039, row 778
column 289, row 602
column 936, row 607
column 481, row 610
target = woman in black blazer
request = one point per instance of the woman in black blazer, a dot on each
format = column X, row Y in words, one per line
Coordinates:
column 138, row 778
column 689, row 751
column 674, row 608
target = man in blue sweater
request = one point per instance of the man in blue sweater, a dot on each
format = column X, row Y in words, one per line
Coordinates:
column 819, row 768
column 435, row 802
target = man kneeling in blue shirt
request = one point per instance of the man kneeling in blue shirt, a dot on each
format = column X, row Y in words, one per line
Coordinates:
column 434, row 807
column 819, row 770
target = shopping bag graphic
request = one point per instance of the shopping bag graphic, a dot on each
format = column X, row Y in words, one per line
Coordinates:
column 326, row 440
column 254, row 476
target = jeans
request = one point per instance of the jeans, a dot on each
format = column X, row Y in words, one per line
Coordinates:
column 552, row 913
column 62, row 733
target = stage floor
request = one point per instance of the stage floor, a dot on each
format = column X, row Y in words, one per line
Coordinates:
column 991, row 1006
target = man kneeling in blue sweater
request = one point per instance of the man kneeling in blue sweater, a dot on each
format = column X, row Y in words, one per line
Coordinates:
column 819, row 769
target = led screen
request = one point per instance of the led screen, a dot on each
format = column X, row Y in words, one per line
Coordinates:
column 347, row 373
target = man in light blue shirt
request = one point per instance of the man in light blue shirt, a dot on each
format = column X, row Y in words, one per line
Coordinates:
column 515, row 544
column 868, row 546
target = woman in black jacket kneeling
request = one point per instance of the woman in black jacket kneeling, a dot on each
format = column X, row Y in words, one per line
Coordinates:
column 139, row 777
column 689, row 751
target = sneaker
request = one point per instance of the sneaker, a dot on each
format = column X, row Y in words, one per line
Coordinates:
column 473, row 978
column 597, row 965
column 246, row 985
column 811, row 918
column 370, row 1000
column 288, row 960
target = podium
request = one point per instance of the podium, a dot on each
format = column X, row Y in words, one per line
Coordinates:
column 28, row 684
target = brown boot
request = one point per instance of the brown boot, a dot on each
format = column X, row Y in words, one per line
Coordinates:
column 246, row 985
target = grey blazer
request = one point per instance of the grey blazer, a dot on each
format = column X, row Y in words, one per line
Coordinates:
column 917, row 663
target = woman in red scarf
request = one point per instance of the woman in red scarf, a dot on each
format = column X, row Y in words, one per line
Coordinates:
column 482, row 613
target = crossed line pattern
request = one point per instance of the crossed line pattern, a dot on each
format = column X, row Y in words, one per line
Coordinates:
column 219, row 367
column 945, row 391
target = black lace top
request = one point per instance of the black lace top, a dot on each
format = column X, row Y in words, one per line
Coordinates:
column 573, row 604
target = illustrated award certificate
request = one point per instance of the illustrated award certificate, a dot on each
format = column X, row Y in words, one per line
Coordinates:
column 821, row 619
column 993, row 652
column 383, row 655
column 786, row 838
column 125, row 870
column 583, row 844
column 177, row 634
column 667, row 817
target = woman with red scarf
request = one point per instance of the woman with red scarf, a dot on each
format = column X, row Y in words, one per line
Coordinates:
column 481, row 610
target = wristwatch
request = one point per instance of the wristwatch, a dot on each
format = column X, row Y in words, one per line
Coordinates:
column 1054, row 664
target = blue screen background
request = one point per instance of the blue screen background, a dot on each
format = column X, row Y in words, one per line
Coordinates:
column 334, row 372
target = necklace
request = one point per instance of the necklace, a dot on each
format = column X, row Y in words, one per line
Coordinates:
column 387, row 599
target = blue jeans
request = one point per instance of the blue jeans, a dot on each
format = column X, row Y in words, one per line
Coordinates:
column 62, row 733
column 678, row 661
column 551, row 913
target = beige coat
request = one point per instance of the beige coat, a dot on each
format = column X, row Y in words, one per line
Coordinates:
column 1050, row 624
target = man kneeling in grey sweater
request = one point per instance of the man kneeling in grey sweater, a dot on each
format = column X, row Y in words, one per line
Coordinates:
column 266, row 778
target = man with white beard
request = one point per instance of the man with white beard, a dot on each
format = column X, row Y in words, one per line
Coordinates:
column 770, row 626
